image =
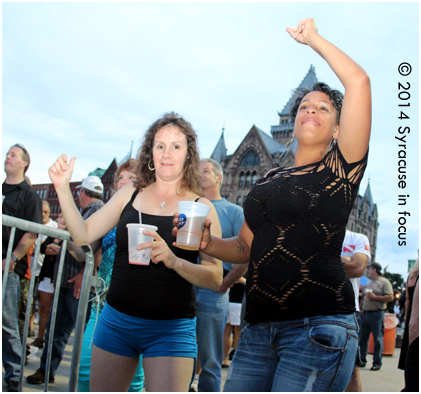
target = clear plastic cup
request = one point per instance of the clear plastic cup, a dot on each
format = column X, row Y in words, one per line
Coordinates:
column 191, row 220
column 136, row 237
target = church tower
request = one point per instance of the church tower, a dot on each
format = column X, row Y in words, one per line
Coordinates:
column 283, row 131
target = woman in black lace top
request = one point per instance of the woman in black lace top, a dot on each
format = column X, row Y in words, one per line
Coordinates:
column 301, row 333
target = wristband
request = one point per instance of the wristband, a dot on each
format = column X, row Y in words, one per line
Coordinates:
column 14, row 258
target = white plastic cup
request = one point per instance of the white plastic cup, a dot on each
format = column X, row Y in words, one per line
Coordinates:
column 191, row 221
column 136, row 237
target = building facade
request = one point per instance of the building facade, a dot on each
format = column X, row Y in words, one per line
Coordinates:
column 259, row 152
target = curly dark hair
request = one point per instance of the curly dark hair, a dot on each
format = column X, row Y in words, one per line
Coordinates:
column 191, row 176
column 335, row 97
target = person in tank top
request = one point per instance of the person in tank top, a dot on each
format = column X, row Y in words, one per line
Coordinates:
column 150, row 310
column 301, row 333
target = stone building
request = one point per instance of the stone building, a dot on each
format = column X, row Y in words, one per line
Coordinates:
column 259, row 152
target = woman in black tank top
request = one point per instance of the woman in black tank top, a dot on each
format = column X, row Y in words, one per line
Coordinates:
column 301, row 332
column 158, row 296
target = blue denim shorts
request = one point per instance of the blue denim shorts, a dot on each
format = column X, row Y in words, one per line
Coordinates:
column 310, row 354
column 130, row 336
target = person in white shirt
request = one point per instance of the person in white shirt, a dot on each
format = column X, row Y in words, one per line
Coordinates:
column 355, row 257
column 45, row 273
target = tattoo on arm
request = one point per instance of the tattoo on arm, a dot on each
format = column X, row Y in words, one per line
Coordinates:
column 240, row 246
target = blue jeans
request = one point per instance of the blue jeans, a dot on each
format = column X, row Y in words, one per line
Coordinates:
column 372, row 322
column 310, row 354
column 65, row 323
column 11, row 342
column 211, row 313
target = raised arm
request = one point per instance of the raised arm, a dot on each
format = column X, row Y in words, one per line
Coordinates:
column 355, row 120
column 102, row 221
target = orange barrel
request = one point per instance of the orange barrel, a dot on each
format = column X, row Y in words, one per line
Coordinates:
column 389, row 338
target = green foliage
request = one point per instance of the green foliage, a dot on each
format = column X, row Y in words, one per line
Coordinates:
column 395, row 279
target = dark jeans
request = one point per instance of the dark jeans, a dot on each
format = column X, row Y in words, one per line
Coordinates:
column 65, row 323
column 372, row 322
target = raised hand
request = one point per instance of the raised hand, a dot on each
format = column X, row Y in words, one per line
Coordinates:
column 301, row 33
column 61, row 171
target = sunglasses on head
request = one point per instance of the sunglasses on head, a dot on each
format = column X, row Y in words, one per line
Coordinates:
column 21, row 147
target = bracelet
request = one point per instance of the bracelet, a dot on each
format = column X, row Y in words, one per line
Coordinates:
column 14, row 258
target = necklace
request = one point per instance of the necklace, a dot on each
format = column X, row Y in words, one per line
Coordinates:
column 164, row 202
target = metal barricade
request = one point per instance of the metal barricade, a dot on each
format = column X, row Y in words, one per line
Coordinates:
column 31, row 227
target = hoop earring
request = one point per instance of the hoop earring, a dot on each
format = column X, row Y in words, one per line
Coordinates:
column 149, row 165
column 287, row 146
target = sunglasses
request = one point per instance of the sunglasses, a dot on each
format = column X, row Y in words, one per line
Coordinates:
column 22, row 147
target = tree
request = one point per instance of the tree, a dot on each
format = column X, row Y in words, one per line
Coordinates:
column 395, row 279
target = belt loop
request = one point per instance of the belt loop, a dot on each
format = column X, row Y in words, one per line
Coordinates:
column 306, row 323
column 356, row 321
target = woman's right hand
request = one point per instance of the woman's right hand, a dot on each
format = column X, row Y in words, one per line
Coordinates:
column 61, row 171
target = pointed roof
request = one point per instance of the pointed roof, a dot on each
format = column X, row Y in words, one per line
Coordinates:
column 274, row 147
column 369, row 199
column 307, row 83
column 220, row 152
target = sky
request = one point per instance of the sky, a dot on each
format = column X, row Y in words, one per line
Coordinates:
column 87, row 79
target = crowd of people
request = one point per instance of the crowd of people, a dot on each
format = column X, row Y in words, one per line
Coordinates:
column 285, row 269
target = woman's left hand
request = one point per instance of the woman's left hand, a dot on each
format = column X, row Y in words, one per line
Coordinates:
column 300, row 33
column 160, row 251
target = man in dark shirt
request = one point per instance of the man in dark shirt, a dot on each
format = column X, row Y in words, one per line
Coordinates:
column 21, row 201
column 90, row 200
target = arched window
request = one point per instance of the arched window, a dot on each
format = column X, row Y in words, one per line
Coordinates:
column 250, row 159
column 254, row 178
column 239, row 201
column 241, row 183
column 248, row 178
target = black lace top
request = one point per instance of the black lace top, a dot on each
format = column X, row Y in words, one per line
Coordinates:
column 298, row 218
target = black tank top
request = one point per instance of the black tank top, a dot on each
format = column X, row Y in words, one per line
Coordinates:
column 153, row 291
column 298, row 218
